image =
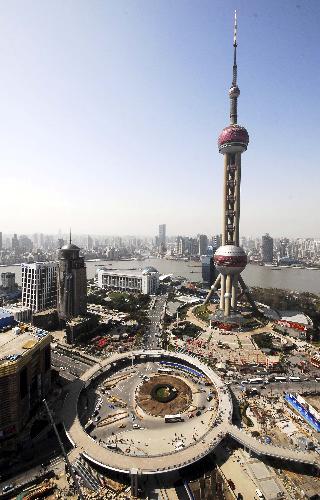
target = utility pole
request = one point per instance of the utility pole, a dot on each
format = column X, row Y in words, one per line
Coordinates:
column 65, row 456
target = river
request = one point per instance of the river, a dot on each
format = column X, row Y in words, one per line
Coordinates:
column 303, row 280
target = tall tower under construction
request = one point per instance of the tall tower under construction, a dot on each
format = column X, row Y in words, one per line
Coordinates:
column 230, row 258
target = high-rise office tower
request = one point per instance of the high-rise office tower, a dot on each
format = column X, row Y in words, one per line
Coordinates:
column 0, row 240
column 162, row 239
column 267, row 248
column 72, row 283
column 230, row 259
column 162, row 234
column 15, row 242
column 89, row 243
column 60, row 243
column 203, row 244
column 39, row 285
column 8, row 281
column 25, row 244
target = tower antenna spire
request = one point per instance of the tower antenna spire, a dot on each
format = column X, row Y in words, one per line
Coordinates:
column 70, row 235
column 234, row 80
column 234, row 91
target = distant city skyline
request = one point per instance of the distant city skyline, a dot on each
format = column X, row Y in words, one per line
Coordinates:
column 110, row 113
column 85, row 235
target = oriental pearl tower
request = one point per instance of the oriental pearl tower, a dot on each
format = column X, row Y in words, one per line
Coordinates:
column 230, row 258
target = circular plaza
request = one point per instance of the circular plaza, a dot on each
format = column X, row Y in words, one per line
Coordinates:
column 153, row 411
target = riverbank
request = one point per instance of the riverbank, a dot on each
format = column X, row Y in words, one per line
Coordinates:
column 300, row 280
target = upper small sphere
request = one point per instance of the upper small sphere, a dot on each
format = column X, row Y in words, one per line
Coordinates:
column 233, row 139
column 230, row 259
column 234, row 91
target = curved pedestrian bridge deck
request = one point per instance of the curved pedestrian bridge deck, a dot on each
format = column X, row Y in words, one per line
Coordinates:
column 221, row 427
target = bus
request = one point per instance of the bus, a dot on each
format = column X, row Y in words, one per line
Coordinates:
column 173, row 418
column 256, row 380
column 294, row 379
column 164, row 370
column 280, row 379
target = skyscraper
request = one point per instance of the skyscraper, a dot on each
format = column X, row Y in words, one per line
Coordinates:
column 267, row 248
column 162, row 234
column 72, row 283
column 0, row 240
column 230, row 258
column 15, row 242
column 8, row 281
column 89, row 243
column 39, row 285
column 203, row 244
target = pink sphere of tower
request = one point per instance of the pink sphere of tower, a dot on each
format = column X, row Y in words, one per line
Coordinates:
column 233, row 139
column 230, row 259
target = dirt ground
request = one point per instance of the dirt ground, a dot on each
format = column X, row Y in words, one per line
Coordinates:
column 314, row 401
column 178, row 405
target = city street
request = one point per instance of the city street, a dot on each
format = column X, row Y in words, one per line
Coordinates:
column 67, row 365
column 151, row 341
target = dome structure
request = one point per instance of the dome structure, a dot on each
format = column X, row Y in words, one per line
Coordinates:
column 69, row 251
column 149, row 270
column 70, row 246
column 233, row 139
column 230, row 259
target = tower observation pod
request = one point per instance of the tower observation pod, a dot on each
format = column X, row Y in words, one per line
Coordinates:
column 230, row 259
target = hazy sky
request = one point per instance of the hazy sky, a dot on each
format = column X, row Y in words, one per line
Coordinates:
column 110, row 112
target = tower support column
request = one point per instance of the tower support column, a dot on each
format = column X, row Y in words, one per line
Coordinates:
column 234, row 292
column 222, row 291
column 227, row 295
column 237, row 196
column 225, row 201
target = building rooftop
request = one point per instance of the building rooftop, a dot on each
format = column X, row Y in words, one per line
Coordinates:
column 296, row 317
column 13, row 344
column 4, row 313
column 133, row 273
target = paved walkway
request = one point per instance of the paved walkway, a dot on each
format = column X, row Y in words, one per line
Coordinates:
column 270, row 450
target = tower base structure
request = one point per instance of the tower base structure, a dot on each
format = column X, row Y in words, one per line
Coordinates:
column 239, row 290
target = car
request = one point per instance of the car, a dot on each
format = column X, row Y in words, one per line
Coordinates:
column 136, row 426
column 7, row 487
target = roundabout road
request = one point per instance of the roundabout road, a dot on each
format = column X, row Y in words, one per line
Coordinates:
column 217, row 429
column 164, row 462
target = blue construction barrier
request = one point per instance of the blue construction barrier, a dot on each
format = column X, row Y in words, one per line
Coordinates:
column 178, row 366
column 305, row 414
